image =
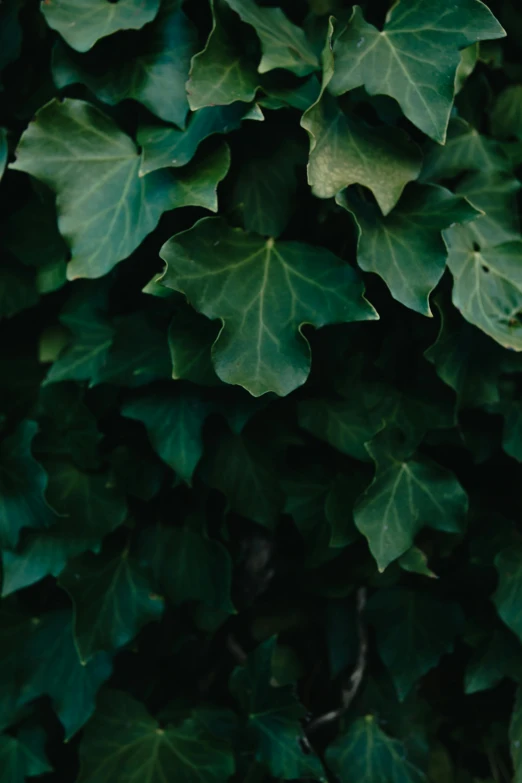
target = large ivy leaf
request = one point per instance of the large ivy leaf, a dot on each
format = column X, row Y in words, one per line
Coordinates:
column 413, row 630
column 507, row 597
column 113, row 599
column 263, row 292
column 89, row 507
column 123, row 740
column 22, row 758
column 366, row 754
column 23, row 482
column 406, row 494
column 344, row 151
column 164, row 146
column 284, row 44
column 93, row 167
column 414, row 59
column 59, row 674
column 154, row 71
column 83, row 22
column 273, row 718
column 406, row 248
column 488, row 286
column 174, row 422
column 222, row 73
column 243, row 472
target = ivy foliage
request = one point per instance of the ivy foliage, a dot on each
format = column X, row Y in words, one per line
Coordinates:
column 260, row 391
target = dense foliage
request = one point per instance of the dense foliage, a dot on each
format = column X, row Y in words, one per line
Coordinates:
column 260, row 471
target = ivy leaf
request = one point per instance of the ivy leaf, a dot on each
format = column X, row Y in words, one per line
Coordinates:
column 22, row 758
column 154, row 71
column 191, row 337
column 344, row 425
column 413, row 630
column 465, row 150
column 406, row 494
column 406, row 248
column 511, row 435
column 23, row 482
column 83, row 22
column 506, row 116
column 495, row 194
column 122, row 738
column 243, row 472
column 93, row 167
column 496, row 658
column 113, row 599
column 366, row 754
column 414, row 59
column 71, row 685
column 263, row 292
column 488, row 287
column 415, row 562
column 284, row 44
column 344, row 151
column 192, row 567
column 90, row 507
column 508, row 595
column 174, row 422
column 221, row 74
column 273, row 718
column 164, row 147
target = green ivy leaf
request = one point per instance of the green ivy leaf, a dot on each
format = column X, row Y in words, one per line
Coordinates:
column 243, row 472
column 414, row 59
column 71, row 685
column 272, row 290
column 406, row 248
column 506, row 116
column 122, row 738
column 488, row 287
column 90, row 507
column 23, row 482
column 113, row 599
column 406, row 494
column 273, row 718
column 415, row 561
column 344, row 425
column 22, row 758
column 413, row 631
column 174, row 422
column 284, row 44
column 495, row 194
column 153, row 73
column 164, row 147
column 191, row 337
column 82, row 22
column 366, row 754
column 496, row 658
column 344, row 151
column 93, row 167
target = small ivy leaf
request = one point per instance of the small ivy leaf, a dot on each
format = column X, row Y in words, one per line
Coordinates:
column 83, row 22
column 496, row 658
column 154, row 74
column 59, row 674
column 406, row 494
column 164, row 146
column 406, row 248
column 23, row 482
column 415, row 561
column 263, row 292
column 341, row 423
column 508, row 594
column 366, row 754
column 344, row 151
column 413, row 631
column 506, row 116
column 174, row 422
column 23, row 757
column 89, row 507
column 414, row 59
column 273, row 717
column 122, row 738
column 488, row 286
column 113, row 599
column 284, row 44
column 222, row 73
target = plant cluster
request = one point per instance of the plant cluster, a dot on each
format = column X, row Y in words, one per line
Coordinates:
column 260, row 391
